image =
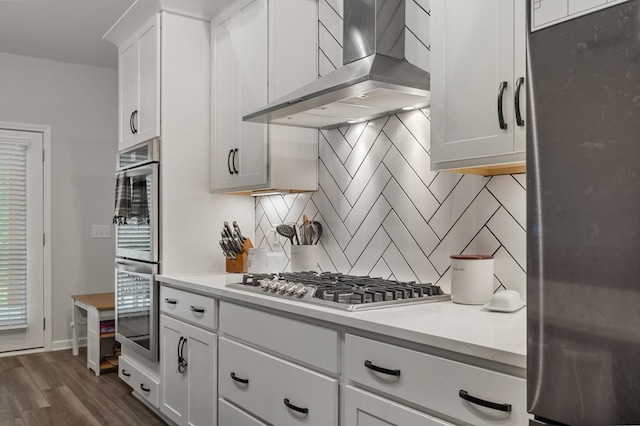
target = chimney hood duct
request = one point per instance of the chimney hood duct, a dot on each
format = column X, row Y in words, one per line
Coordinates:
column 375, row 79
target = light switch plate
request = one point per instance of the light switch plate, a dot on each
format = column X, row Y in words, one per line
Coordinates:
column 100, row 231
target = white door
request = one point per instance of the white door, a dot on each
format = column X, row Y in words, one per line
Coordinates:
column 21, row 240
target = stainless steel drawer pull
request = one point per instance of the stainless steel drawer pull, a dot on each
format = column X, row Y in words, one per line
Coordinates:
column 171, row 301
column 472, row 399
column 144, row 389
column 382, row 370
column 294, row 408
column 238, row 379
column 197, row 310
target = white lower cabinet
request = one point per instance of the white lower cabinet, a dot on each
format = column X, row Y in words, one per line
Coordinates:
column 470, row 394
column 278, row 391
column 365, row 409
column 229, row 414
column 188, row 365
column 142, row 383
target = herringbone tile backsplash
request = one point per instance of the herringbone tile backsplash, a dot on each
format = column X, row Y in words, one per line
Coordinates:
column 383, row 212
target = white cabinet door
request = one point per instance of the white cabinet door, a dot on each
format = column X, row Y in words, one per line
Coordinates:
column 139, row 85
column 261, row 52
column 293, row 63
column 252, row 152
column 148, row 117
column 225, row 101
column 473, row 81
column 188, row 390
column 128, row 92
column 239, row 81
column 365, row 409
column 173, row 382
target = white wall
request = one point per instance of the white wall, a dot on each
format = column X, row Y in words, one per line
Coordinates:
column 80, row 104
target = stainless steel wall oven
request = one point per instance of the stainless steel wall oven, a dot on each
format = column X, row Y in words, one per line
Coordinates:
column 137, row 248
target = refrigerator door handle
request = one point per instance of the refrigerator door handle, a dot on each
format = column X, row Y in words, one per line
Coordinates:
column 516, row 101
column 472, row 399
column 501, row 89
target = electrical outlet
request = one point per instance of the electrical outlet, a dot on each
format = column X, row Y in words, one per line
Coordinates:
column 100, row 231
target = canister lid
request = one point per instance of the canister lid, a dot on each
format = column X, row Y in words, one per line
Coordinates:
column 471, row 256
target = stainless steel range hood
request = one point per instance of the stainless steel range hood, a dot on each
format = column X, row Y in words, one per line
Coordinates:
column 375, row 79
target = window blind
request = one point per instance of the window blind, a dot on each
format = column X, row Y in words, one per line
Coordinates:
column 13, row 234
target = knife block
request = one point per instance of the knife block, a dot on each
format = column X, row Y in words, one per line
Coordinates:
column 240, row 264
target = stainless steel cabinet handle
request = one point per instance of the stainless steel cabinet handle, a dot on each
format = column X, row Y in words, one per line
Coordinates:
column 171, row 301
column 501, row 89
column 472, row 399
column 516, row 101
column 197, row 309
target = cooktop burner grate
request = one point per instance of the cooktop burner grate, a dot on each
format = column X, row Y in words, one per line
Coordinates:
column 346, row 292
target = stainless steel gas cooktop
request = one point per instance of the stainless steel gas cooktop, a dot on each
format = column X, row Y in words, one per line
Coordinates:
column 346, row 292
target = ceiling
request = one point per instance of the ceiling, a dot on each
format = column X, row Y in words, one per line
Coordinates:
column 64, row 30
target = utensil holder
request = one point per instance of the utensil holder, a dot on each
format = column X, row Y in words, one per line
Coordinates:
column 304, row 258
column 240, row 264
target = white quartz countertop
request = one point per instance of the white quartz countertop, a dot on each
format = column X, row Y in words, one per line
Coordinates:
column 465, row 329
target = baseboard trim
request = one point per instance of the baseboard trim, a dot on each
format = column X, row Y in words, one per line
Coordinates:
column 59, row 345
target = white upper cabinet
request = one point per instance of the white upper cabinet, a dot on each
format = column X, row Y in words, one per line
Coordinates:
column 239, row 86
column 261, row 50
column 477, row 85
column 139, row 85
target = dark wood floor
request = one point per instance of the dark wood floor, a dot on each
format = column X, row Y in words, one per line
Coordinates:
column 56, row 388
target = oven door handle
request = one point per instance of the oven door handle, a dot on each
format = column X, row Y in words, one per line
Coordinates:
column 143, row 171
column 125, row 266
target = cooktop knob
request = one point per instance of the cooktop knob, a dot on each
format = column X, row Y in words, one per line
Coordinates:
column 264, row 284
column 300, row 290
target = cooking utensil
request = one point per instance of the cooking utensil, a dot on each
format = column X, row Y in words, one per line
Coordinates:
column 239, row 234
column 317, row 227
column 287, row 231
column 306, row 231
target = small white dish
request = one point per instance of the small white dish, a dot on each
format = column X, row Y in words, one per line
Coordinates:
column 507, row 309
column 505, row 301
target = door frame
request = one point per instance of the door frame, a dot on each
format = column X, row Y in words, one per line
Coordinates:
column 46, row 204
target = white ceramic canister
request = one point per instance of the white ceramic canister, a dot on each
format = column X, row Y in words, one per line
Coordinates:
column 304, row 258
column 471, row 278
column 257, row 261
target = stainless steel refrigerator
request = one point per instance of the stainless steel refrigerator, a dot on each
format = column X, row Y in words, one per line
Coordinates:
column 583, row 206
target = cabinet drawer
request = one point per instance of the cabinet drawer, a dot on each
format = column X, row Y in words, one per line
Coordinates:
column 363, row 408
column 231, row 415
column 141, row 383
column 194, row 308
column 312, row 344
column 264, row 385
column 434, row 382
